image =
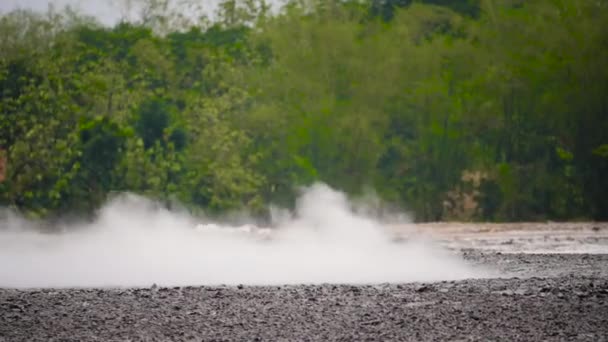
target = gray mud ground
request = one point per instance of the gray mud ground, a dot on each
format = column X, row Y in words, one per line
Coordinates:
column 542, row 297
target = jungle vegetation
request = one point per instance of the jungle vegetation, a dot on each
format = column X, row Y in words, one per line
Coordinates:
column 429, row 103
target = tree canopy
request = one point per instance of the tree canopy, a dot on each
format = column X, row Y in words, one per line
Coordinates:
column 486, row 110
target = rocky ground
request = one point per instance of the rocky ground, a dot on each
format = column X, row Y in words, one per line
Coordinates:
column 552, row 237
column 555, row 297
column 542, row 297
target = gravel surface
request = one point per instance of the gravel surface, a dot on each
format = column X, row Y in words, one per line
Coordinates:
column 542, row 297
column 563, row 237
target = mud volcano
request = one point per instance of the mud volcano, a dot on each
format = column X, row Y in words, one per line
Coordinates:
column 541, row 297
column 327, row 274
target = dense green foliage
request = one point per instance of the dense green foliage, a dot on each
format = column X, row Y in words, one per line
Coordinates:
column 503, row 102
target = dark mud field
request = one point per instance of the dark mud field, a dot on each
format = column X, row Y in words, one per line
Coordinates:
column 560, row 297
column 536, row 297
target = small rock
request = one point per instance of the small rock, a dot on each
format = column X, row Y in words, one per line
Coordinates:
column 423, row 288
column 15, row 307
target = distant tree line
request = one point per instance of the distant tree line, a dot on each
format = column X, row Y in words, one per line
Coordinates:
column 501, row 103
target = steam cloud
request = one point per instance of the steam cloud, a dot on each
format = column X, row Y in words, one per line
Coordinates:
column 135, row 243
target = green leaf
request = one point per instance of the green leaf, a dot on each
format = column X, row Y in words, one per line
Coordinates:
column 601, row 151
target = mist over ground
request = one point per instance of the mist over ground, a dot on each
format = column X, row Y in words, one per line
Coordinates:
column 135, row 242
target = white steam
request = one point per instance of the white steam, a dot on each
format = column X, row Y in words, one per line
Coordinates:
column 136, row 243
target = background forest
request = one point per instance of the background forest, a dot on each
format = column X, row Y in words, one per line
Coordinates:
column 490, row 110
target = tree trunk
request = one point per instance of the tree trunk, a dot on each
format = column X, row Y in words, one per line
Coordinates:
column 3, row 165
